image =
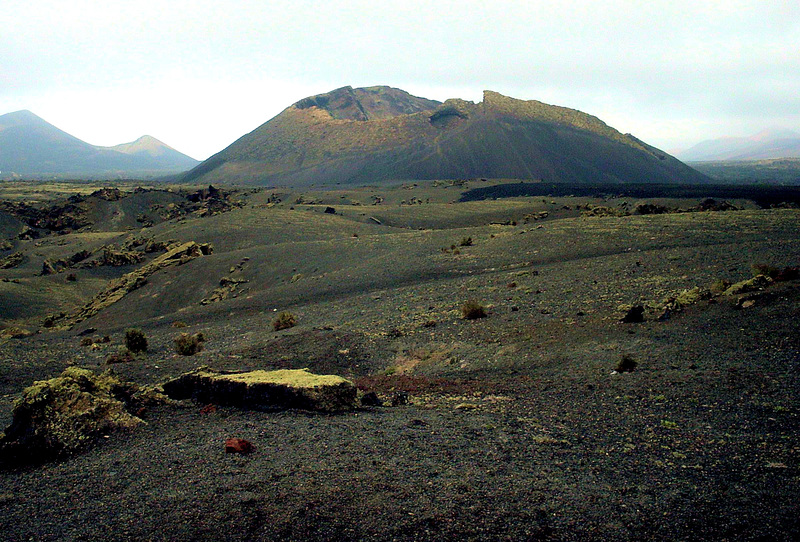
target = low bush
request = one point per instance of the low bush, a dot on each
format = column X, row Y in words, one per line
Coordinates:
column 466, row 242
column 472, row 310
column 135, row 340
column 284, row 320
column 189, row 345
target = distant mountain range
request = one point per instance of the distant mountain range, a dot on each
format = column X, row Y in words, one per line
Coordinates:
column 31, row 147
column 376, row 134
column 765, row 145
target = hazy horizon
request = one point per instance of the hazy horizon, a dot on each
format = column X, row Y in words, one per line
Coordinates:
column 198, row 77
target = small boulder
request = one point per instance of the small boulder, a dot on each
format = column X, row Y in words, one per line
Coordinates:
column 238, row 446
column 634, row 315
column 286, row 388
column 371, row 399
column 400, row 398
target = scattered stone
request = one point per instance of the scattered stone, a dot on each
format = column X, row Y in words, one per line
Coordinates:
column 285, row 388
column 330, row 210
column 14, row 332
column 788, row 273
column 650, row 209
column 208, row 409
column 11, row 261
column 123, row 356
column 49, row 268
column 710, row 204
column 626, row 365
column 68, row 413
column 400, row 398
column 238, row 446
column 371, row 399
column 119, row 288
column 634, row 315
column 119, row 258
column 227, row 288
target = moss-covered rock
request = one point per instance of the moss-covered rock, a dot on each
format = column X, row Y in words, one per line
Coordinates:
column 287, row 388
column 759, row 282
column 66, row 414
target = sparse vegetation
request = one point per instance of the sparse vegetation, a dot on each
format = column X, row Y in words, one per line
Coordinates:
column 135, row 340
column 466, row 242
column 284, row 320
column 472, row 310
column 188, row 345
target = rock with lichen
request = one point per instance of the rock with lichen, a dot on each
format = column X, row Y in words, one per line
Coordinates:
column 287, row 388
column 66, row 414
column 759, row 282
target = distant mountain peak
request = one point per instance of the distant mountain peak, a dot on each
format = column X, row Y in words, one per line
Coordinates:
column 146, row 145
column 771, row 134
column 21, row 118
column 771, row 143
column 32, row 147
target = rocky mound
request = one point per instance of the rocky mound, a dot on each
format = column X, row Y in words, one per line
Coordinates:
column 368, row 135
column 66, row 414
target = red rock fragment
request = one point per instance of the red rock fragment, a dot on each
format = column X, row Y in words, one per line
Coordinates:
column 238, row 446
column 208, row 409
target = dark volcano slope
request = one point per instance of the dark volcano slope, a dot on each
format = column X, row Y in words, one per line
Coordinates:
column 362, row 136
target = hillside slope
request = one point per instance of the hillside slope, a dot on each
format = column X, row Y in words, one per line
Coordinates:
column 356, row 136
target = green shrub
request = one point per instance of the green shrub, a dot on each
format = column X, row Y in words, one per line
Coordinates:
column 284, row 320
column 135, row 340
column 472, row 310
column 189, row 345
column 466, row 242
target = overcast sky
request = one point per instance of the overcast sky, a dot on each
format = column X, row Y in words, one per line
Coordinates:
column 198, row 75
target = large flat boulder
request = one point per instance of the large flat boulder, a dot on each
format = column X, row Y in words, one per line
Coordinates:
column 287, row 388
